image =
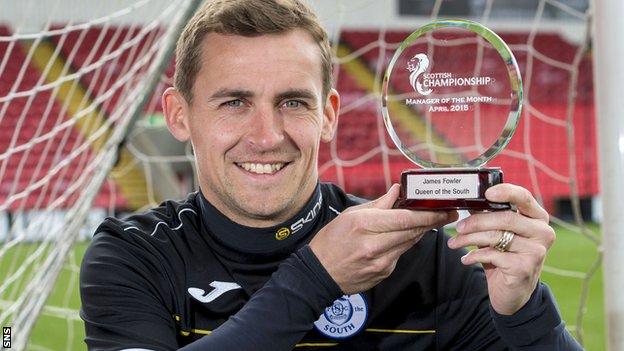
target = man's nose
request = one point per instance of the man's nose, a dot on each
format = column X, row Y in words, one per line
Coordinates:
column 266, row 129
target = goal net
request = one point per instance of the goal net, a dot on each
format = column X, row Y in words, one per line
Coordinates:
column 82, row 135
column 73, row 79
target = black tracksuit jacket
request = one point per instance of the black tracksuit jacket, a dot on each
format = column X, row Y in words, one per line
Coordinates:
column 184, row 276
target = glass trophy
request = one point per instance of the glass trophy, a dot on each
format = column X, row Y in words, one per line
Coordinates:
column 451, row 101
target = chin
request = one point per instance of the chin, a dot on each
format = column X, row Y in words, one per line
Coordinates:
column 263, row 205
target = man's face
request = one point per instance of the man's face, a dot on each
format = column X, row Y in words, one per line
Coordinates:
column 255, row 122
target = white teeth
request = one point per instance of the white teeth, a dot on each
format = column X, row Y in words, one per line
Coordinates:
column 261, row 168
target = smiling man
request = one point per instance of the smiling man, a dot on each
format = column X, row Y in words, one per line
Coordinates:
column 264, row 257
column 258, row 110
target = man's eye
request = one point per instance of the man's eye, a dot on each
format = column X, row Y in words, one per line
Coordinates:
column 293, row 104
column 234, row 103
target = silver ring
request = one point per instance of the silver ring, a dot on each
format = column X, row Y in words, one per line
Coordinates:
column 505, row 241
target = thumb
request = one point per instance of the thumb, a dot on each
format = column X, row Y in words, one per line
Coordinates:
column 386, row 201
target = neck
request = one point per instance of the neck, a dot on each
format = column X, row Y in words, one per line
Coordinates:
column 281, row 238
column 240, row 216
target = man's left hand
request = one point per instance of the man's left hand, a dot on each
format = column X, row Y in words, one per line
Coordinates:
column 512, row 274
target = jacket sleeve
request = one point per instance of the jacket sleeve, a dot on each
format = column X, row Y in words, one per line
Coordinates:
column 536, row 326
column 467, row 321
column 125, row 306
column 124, row 303
column 279, row 314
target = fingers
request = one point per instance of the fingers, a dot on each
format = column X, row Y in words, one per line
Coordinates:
column 385, row 264
column 495, row 222
column 396, row 252
column 386, row 242
column 388, row 199
column 518, row 196
column 384, row 220
column 490, row 239
column 511, row 277
column 384, row 202
column 389, row 233
column 381, row 250
column 513, row 273
column 514, row 264
column 380, row 243
column 391, row 219
column 487, row 256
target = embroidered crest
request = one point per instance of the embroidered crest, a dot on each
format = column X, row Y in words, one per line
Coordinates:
column 344, row 318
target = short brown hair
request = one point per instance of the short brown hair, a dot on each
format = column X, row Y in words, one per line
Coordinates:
column 245, row 18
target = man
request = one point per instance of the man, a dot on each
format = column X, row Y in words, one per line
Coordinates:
column 264, row 257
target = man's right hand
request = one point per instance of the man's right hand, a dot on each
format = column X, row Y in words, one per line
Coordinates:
column 361, row 247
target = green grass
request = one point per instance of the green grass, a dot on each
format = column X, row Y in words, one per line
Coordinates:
column 51, row 331
column 572, row 252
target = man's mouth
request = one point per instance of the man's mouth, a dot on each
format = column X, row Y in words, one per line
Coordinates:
column 262, row 168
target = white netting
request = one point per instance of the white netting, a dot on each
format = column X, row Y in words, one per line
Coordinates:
column 71, row 85
column 553, row 153
column 72, row 102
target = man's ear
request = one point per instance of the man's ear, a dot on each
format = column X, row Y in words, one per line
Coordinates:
column 176, row 112
column 330, row 116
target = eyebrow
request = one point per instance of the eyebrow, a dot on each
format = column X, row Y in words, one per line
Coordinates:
column 232, row 93
column 295, row 93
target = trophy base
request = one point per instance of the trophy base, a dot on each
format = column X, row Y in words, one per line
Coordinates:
column 449, row 189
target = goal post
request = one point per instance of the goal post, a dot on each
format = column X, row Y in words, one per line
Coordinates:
column 609, row 77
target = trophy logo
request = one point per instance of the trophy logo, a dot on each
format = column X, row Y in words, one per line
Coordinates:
column 469, row 119
column 417, row 65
